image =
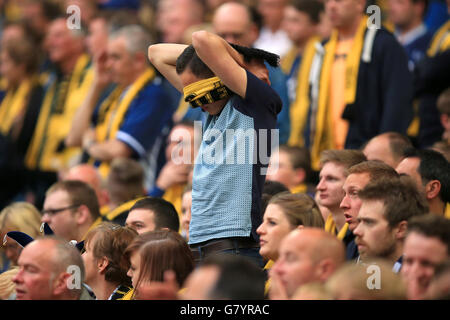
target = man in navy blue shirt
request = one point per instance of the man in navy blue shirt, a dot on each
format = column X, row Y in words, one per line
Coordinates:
column 233, row 88
column 407, row 17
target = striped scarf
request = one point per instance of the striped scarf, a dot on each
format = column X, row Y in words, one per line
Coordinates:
column 205, row 91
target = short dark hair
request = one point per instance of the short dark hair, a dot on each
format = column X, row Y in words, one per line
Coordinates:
column 166, row 215
column 432, row 226
column 239, row 278
column 270, row 189
column 189, row 59
column 299, row 157
column 80, row 193
column 433, row 166
column 125, row 180
column 274, row 187
column 250, row 54
column 400, row 197
column 313, row 8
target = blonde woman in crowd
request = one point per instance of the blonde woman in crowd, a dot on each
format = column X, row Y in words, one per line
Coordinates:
column 284, row 213
column 153, row 253
column 19, row 216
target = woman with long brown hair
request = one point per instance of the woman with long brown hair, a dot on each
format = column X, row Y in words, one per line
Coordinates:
column 285, row 212
column 153, row 253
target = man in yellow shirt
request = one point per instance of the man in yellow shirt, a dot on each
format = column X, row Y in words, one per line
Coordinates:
column 66, row 86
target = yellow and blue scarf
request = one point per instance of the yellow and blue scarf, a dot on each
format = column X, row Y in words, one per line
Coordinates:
column 61, row 100
column 14, row 104
column 321, row 122
column 113, row 110
column 205, row 91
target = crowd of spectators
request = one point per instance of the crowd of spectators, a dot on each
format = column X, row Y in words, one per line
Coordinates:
column 204, row 149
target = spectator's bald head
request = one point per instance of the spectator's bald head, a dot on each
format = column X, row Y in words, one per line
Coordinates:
column 85, row 173
column 89, row 174
column 387, row 147
column 308, row 255
column 321, row 245
column 233, row 22
column 45, row 271
column 179, row 15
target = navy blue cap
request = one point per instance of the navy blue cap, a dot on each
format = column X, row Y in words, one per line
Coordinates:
column 21, row 238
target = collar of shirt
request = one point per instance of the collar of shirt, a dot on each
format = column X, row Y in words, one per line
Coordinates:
column 397, row 265
column 411, row 35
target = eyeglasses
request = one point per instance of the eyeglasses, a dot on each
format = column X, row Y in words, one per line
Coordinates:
column 52, row 212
